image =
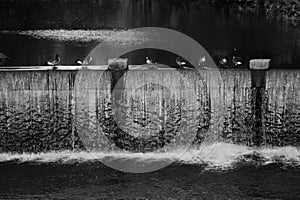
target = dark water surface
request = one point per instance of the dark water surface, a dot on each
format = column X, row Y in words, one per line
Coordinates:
column 218, row 29
column 93, row 180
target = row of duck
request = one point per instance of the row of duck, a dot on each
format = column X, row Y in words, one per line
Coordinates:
column 223, row 62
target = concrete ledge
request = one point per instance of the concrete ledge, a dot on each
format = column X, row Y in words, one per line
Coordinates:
column 105, row 67
column 45, row 68
column 90, row 67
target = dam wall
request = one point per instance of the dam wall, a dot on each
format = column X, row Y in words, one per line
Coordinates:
column 45, row 110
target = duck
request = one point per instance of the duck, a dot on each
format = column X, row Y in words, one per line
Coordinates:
column 237, row 61
column 223, row 62
column 201, row 61
column 181, row 62
column 54, row 62
column 149, row 61
column 3, row 58
column 85, row 62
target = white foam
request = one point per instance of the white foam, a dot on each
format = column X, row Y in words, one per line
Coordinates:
column 219, row 155
column 216, row 154
column 282, row 153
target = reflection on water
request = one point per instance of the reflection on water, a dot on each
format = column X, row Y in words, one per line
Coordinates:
column 219, row 30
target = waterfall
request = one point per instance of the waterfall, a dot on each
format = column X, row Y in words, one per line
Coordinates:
column 35, row 112
column 92, row 108
column 145, row 111
column 282, row 115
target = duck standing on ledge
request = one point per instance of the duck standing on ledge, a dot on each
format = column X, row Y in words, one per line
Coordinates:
column 3, row 58
column 152, row 63
column 149, row 61
column 201, row 62
column 223, row 62
column 84, row 63
column 54, row 62
column 237, row 61
column 181, row 62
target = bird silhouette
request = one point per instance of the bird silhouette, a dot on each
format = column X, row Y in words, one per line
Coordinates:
column 150, row 61
column 54, row 62
column 237, row 61
column 181, row 62
column 85, row 62
column 223, row 62
column 201, row 61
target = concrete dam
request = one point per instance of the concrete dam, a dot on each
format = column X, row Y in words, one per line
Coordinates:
column 146, row 110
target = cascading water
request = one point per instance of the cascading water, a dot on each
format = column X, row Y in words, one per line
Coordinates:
column 282, row 113
column 35, row 111
column 147, row 111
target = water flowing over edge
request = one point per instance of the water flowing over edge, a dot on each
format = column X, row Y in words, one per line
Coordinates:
column 216, row 156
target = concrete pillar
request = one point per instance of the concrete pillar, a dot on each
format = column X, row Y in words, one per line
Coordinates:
column 117, row 67
column 258, row 69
